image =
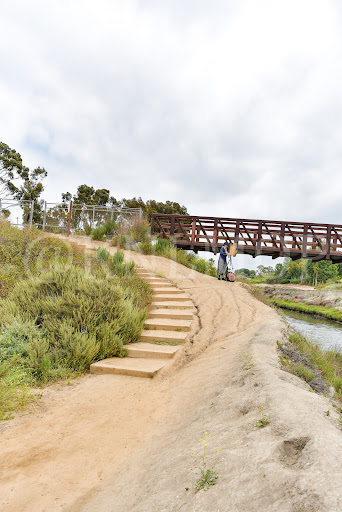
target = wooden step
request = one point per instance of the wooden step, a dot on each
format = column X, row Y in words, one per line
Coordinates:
column 173, row 304
column 143, row 272
column 135, row 367
column 168, row 290
column 170, row 313
column 153, row 277
column 159, row 335
column 162, row 286
column 149, row 350
column 167, row 324
column 157, row 297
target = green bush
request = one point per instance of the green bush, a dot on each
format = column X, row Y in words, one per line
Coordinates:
column 98, row 233
column 73, row 318
column 103, row 231
column 123, row 241
column 27, row 252
column 139, row 230
column 102, row 255
column 145, row 248
column 162, row 247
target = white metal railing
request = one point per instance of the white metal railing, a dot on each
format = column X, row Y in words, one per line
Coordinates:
column 14, row 209
column 64, row 216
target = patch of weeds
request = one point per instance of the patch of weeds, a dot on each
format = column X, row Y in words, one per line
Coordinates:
column 208, row 475
column 308, row 360
column 304, row 373
column 258, row 294
column 262, row 422
column 247, row 361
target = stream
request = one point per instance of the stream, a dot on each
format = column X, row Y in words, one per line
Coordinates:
column 327, row 332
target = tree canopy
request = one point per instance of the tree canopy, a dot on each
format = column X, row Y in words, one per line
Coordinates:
column 19, row 182
column 89, row 195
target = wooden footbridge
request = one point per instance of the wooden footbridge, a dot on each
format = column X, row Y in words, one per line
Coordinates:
column 255, row 237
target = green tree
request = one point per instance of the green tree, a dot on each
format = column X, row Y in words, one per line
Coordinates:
column 152, row 206
column 321, row 271
column 88, row 195
column 10, row 166
column 30, row 185
column 294, row 269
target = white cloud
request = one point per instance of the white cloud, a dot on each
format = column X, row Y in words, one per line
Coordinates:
column 231, row 108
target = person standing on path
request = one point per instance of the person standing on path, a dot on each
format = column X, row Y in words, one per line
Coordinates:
column 222, row 261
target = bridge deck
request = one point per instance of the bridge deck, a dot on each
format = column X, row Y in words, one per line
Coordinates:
column 255, row 237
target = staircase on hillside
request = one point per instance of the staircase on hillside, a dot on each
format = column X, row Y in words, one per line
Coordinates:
column 166, row 328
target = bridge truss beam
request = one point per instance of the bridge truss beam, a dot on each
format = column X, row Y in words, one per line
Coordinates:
column 255, row 237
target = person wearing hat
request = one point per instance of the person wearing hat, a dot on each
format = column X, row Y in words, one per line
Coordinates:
column 222, row 261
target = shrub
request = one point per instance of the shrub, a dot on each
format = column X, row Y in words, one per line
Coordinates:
column 102, row 254
column 139, row 230
column 162, row 247
column 71, row 319
column 87, row 229
column 27, row 252
column 145, row 248
column 123, row 241
column 98, row 233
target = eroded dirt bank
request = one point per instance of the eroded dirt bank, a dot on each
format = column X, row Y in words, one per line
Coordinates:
column 329, row 298
column 121, row 444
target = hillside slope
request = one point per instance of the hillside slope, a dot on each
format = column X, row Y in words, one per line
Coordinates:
column 114, row 443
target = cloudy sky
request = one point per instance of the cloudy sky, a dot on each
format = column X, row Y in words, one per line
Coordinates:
column 232, row 107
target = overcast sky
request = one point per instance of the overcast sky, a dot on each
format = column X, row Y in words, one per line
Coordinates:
column 232, row 108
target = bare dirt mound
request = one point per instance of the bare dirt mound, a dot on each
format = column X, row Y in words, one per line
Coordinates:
column 122, row 444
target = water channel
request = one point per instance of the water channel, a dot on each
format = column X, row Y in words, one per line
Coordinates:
column 327, row 332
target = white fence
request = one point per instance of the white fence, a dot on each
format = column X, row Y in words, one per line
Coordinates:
column 19, row 213
column 64, row 217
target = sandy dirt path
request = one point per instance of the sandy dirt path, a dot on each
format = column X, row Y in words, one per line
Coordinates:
column 123, row 444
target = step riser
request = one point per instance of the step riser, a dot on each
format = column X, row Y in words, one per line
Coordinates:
column 122, row 371
column 167, row 337
column 177, row 315
column 151, row 350
column 152, row 339
column 169, row 291
column 171, row 288
column 153, row 282
column 148, row 354
column 166, row 328
column 172, row 305
column 163, row 298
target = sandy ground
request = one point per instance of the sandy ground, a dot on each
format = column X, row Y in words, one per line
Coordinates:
column 124, row 444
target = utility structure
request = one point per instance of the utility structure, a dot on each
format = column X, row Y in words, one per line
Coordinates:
column 255, row 237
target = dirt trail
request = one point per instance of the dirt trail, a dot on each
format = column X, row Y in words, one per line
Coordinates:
column 124, row 444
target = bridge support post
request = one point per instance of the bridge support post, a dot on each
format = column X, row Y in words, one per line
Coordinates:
column 305, row 241
column 215, row 237
column 172, row 226
column 193, row 233
column 259, row 236
column 327, row 247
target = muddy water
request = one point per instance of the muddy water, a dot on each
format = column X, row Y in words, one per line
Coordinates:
column 327, row 332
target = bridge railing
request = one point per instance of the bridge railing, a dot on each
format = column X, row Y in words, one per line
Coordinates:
column 255, row 237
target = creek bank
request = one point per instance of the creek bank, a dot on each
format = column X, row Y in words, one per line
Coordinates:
column 308, row 295
column 318, row 311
